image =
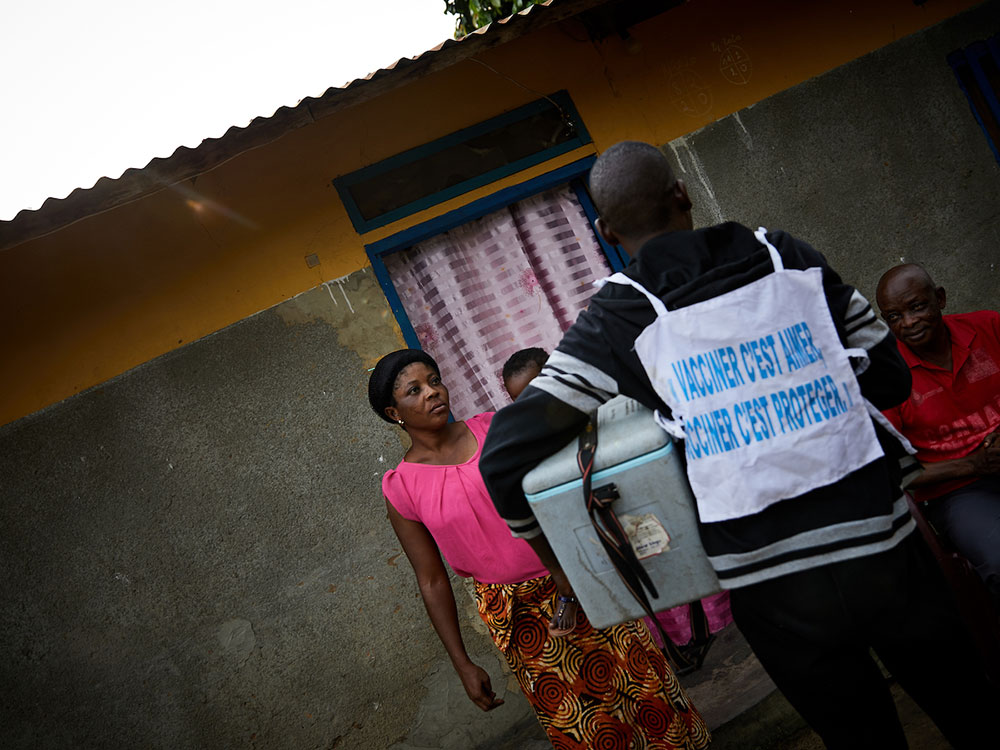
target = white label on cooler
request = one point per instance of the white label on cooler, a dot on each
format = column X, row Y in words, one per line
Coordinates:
column 646, row 534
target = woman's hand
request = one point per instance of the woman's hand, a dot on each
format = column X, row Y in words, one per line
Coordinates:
column 477, row 685
column 435, row 589
column 566, row 606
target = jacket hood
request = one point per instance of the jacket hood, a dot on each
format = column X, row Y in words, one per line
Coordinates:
column 680, row 265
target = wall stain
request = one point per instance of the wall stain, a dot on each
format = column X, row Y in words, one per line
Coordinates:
column 355, row 307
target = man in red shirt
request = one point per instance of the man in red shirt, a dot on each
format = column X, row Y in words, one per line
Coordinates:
column 952, row 417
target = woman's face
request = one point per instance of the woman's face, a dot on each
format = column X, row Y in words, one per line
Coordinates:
column 421, row 398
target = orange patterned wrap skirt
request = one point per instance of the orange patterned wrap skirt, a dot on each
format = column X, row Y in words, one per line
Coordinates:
column 609, row 689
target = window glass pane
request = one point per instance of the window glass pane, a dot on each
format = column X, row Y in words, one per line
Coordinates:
column 413, row 180
column 461, row 162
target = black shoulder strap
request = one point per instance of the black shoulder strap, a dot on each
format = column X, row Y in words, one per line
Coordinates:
column 619, row 550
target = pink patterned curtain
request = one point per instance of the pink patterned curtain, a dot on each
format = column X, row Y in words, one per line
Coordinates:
column 507, row 281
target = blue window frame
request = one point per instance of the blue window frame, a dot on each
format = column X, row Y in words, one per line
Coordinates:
column 511, row 142
column 573, row 174
column 977, row 68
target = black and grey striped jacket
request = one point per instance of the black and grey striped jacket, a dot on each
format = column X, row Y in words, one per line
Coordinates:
column 862, row 514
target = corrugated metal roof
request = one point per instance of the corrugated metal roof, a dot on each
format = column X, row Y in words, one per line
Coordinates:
column 185, row 163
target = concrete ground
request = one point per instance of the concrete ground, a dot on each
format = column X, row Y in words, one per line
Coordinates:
column 774, row 725
column 744, row 710
column 759, row 717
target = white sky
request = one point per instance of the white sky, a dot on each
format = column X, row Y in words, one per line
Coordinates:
column 89, row 88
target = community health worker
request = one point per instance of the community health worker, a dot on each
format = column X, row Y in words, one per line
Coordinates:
column 772, row 370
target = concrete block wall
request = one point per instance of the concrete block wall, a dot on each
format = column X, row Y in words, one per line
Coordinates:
column 196, row 552
column 197, row 555
column 877, row 162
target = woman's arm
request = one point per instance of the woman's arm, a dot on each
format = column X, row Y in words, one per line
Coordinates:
column 435, row 589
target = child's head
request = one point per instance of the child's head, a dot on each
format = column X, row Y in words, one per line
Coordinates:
column 522, row 367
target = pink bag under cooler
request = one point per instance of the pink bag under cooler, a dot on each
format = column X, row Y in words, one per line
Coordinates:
column 676, row 621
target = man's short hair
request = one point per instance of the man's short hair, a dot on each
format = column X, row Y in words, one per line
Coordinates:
column 519, row 361
column 914, row 269
column 630, row 184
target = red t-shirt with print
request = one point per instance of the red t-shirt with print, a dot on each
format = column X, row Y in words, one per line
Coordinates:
column 950, row 412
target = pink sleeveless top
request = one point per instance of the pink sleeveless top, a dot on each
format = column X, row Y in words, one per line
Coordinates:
column 452, row 502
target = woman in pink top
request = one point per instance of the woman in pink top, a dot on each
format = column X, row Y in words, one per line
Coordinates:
column 592, row 688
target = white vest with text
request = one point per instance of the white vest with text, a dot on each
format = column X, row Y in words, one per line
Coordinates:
column 761, row 390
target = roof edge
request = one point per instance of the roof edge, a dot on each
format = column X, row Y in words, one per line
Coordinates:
column 185, row 163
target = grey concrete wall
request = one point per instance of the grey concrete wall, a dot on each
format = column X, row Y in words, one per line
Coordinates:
column 875, row 162
column 196, row 555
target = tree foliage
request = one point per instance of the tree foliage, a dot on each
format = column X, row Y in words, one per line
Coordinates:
column 473, row 14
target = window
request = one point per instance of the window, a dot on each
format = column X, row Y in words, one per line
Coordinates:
column 467, row 159
column 514, row 276
column 977, row 68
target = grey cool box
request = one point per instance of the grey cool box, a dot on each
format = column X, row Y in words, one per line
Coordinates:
column 656, row 506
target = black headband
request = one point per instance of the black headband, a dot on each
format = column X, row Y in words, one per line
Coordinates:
column 383, row 377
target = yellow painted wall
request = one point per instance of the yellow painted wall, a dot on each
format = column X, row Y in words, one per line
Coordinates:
column 109, row 292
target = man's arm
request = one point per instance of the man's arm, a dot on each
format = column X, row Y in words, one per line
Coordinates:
column 550, row 413
column 886, row 381
column 983, row 461
column 521, row 436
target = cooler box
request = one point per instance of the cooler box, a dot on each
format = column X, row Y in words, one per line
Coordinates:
column 656, row 508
